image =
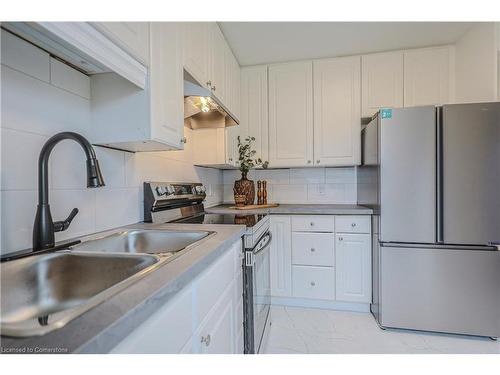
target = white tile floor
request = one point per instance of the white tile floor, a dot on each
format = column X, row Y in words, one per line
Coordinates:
column 299, row 330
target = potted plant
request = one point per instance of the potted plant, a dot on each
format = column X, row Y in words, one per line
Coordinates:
column 244, row 186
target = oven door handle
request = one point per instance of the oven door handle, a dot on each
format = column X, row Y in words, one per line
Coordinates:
column 269, row 235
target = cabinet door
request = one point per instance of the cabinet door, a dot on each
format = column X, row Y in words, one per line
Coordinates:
column 133, row 37
column 167, row 87
column 281, row 256
column 382, row 82
column 337, row 112
column 353, row 267
column 254, row 115
column 167, row 331
column 290, row 114
column 427, row 76
column 218, row 64
column 197, row 50
column 216, row 335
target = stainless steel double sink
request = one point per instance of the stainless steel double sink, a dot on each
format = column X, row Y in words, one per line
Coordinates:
column 42, row 293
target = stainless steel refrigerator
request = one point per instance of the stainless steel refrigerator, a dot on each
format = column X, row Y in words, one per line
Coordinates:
column 432, row 176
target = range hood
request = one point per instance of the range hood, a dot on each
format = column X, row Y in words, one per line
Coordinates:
column 202, row 109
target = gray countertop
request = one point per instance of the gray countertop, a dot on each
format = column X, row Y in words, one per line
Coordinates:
column 297, row 209
column 101, row 328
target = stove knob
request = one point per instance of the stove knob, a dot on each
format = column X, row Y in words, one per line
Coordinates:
column 198, row 189
column 160, row 190
column 203, row 190
column 170, row 189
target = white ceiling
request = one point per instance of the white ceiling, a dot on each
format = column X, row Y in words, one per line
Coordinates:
column 268, row 42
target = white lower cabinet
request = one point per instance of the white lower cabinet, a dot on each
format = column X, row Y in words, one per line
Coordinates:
column 353, row 261
column 281, row 256
column 321, row 260
column 313, row 282
column 204, row 317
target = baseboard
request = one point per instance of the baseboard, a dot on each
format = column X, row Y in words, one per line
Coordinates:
column 320, row 304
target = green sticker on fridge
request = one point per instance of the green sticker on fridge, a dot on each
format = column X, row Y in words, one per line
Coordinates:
column 386, row 113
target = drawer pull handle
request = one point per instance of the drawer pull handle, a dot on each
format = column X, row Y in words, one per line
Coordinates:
column 313, row 250
column 341, row 238
column 353, row 225
column 206, row 340
column 313, row 283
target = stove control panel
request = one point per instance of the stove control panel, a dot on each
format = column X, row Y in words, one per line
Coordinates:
column 161, row 196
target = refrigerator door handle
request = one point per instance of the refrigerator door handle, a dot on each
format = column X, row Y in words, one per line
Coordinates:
column 439, row 175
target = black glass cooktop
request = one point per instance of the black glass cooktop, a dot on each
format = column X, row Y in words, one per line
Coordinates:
column 204, row 218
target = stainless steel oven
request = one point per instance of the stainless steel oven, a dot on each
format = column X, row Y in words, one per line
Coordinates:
column 257, row 292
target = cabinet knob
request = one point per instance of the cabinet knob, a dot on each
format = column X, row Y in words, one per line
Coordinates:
column 230, row 159
column 311, row 223
column 341, row 238
column 313, row 283
column 205, row 340
column 308, row 162
column 184, row 140
column 213, row 88
column 317, row 161
column 353, row 225
column 209, row 83
column 313, row 250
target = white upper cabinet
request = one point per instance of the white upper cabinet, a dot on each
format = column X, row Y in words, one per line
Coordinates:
column 133, row 37
column 337, row 111
column 219, row 63
column 428, row 76
column 167, row 84
column 233, row 84
column 382, row 82
column 151, row 119
column 254, row 115
column 290, row 114
column 197, row 50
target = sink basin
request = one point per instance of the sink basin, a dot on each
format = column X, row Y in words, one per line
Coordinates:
column 149, row 241
column 42, row 293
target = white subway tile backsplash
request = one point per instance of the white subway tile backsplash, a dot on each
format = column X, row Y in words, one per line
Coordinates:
column 288, row 194
column 341, row 175
column 18, row 215
column 307, row 176
column 20, row 159
column 274, row 176
column 24, row 57
column 66, row 78
column 37, row 107
column 117, row 207
column 303, row 185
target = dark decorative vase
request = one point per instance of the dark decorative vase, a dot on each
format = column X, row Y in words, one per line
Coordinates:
column 245, row 187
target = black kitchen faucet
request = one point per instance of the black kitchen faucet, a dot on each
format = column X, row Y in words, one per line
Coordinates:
column 44, row 228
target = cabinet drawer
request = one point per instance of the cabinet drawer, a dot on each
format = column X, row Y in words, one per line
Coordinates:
column 313, row 249
column 352, row 224
column 313, row 282
column 313, row 223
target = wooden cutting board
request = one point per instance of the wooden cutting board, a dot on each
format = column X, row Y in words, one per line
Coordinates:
column 255, row 206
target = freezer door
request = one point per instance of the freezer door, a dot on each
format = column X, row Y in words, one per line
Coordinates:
column 471, row 173
column 408, row 176
column 442, row 290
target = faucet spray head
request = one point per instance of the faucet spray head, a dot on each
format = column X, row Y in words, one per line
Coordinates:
column 94, row 175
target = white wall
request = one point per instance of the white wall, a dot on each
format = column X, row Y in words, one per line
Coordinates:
column 40, row 97
column 301, row 185
column 476, row 66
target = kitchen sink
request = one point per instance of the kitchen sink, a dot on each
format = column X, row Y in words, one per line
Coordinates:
column 42, row 293
column 149, row 241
